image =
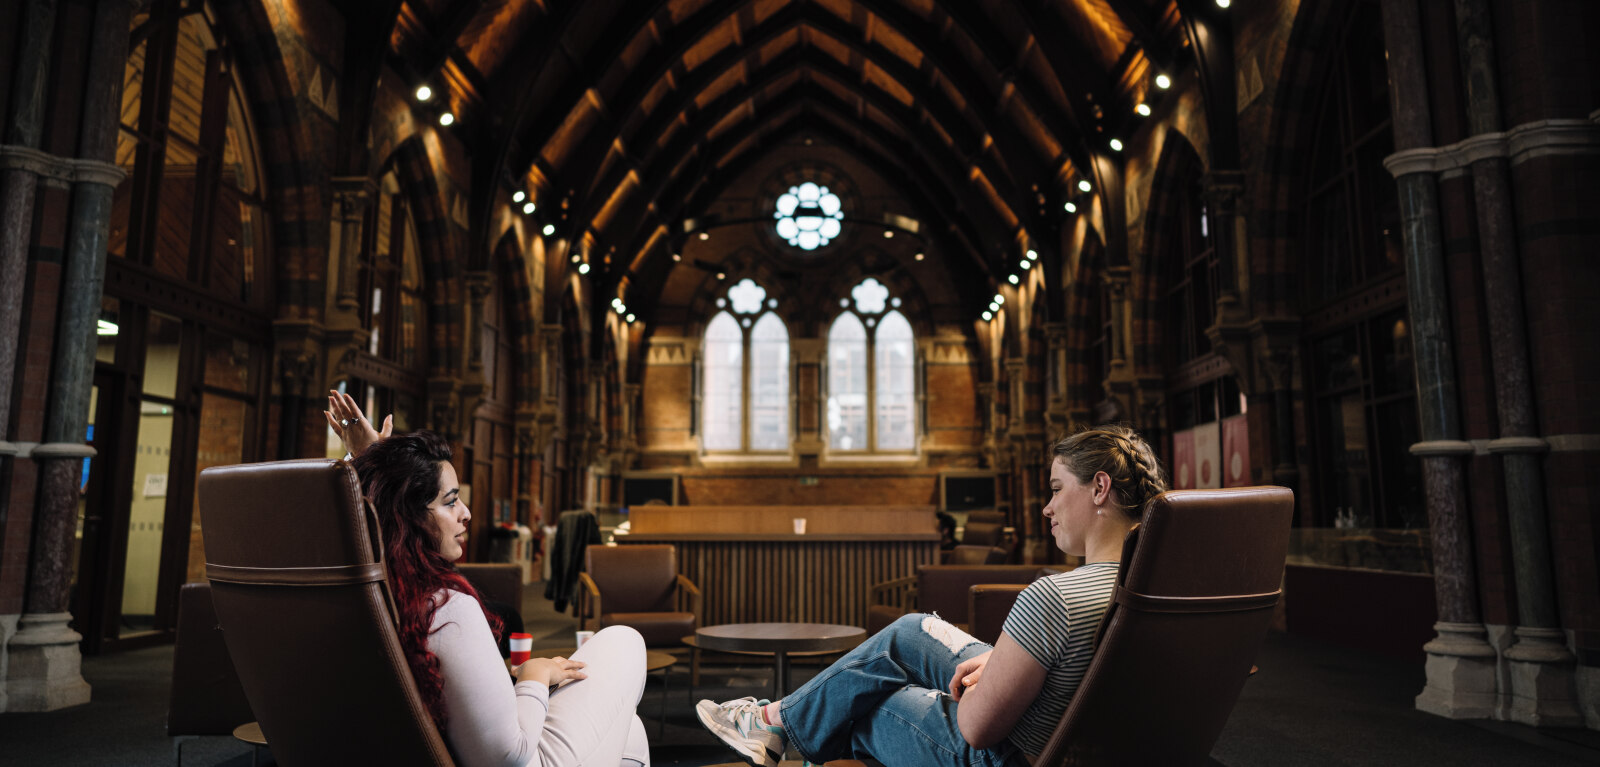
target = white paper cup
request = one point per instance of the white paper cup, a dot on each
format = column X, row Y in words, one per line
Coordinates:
column 800, row 526
column 582, row 636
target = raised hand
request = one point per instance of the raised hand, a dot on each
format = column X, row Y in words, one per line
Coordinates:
column 345, row 418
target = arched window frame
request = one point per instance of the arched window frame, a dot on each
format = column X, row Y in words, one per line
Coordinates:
column 872, row 321
column 1361, row 411
column 747, row 320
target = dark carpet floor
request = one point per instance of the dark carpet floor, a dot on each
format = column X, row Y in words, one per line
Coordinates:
column 1312, row 705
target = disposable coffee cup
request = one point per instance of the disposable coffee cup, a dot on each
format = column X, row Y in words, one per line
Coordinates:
column 583, row 636
column 800, row 526
column 521, row 648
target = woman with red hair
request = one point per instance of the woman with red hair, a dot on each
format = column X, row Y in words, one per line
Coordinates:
column 559, row 712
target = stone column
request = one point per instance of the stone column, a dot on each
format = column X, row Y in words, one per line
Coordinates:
column 352, row 195
column 21, row 164
column 1460, row 664
column 478, row 286
column 1120, row 373
column 45, row 662
column 1542, row 668
column 1222, row 190
column 1057, row 407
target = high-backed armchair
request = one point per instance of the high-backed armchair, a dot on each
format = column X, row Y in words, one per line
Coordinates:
column 638, row 586
column 1199, row 579
column 297, row 578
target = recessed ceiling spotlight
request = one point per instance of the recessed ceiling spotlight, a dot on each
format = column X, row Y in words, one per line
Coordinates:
column 549, row 229
column 519, row 196
column 988, row 316
column 424, row 93
column 722, row 275
column 630, row 319
column 1224, row 3
column 1012, row 278
column 1163, row 82
column 888, row 234
column 447, row 119
column 919, row 257
column 993, row 307
column 1143, row 109
column 1084, row 185
column 705, row 235
column 576, row 257
column 583, row 268
column 527, row 207
column 1116, row 145
column 676, row 257
column 1033, row 255
column 1071, row 207
column 999, row 299
column 1026, row 264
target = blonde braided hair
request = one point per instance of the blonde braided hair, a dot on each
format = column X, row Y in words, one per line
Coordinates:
column 1135, row 472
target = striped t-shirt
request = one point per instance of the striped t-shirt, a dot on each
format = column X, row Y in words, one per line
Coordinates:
column 1055, row 620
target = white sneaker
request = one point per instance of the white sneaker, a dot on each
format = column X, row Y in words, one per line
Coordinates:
column 739, row 724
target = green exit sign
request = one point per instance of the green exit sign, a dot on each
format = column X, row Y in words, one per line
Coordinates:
column 808, row 481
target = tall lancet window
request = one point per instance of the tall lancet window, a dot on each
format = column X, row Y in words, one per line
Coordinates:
column 871, row 374
column 746, row 382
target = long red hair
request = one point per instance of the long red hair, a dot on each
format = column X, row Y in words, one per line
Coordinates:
column 400, row 477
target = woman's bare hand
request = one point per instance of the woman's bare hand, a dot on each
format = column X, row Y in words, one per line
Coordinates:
column 967, row 674
column 345, row 418
column 551, row 672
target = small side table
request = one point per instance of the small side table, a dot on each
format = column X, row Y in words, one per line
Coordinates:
column 250, row 732
column 780, row 639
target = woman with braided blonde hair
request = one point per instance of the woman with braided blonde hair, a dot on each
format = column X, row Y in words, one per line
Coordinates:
column 925, row 692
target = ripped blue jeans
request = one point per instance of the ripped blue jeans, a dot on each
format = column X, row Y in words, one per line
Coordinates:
column 889, row 700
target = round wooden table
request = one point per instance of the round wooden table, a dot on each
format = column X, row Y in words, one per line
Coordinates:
column 780, row 639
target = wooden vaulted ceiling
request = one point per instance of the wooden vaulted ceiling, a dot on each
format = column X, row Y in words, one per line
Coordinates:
column 631, row 116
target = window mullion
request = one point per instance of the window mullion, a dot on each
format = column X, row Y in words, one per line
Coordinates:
column 744, row 394
column 872, row 389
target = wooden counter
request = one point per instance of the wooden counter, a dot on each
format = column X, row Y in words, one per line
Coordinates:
column 753, row 568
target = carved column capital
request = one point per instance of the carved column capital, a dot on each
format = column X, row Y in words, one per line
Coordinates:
column 352, row 195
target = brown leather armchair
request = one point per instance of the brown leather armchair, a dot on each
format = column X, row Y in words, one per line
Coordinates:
column 497, row 581
column 1200, row 577
column 975, row 555
column 638, row 586
column 938, row 589
column 297, row 577
column 207, row 698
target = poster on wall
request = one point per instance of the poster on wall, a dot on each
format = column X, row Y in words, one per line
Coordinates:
column 1208, row 455
column 1183, row 460
column 155, row 485
column 1235, row 452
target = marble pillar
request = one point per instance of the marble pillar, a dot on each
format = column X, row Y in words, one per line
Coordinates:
column 1461, row 664
column 21, row 164
column 1541, row 666
column 45, row 663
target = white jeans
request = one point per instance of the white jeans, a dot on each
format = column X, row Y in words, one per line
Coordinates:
column 592, row 722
